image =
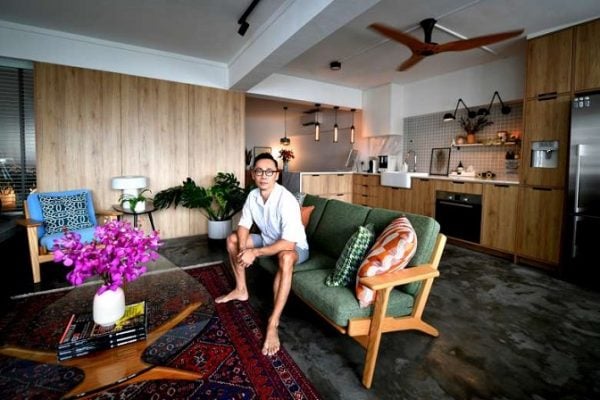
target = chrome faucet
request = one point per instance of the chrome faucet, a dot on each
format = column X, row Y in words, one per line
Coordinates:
column 414, row 154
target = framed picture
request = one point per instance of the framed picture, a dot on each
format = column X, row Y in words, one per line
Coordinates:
column 261, row 149
column 440, row 161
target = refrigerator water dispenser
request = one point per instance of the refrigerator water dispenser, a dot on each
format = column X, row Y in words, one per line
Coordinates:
column 544, row 154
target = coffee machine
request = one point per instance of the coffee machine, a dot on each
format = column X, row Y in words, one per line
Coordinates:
column 383, row 163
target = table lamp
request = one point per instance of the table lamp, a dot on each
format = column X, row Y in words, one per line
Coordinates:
column 131, row 185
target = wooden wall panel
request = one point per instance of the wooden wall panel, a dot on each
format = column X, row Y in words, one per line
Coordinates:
column 154, row 121
column 77, row 130
column 92, row 126
column 216, row 139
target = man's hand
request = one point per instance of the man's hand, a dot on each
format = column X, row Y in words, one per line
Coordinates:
column 246, row 257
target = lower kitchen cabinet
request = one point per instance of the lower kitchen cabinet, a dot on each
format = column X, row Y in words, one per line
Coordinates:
column 331, row 186
column 499, row 216
column 422, row 197
column 539, row 224
column 366, row 190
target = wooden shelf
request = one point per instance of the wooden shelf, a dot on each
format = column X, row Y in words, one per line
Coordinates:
column 458, row 146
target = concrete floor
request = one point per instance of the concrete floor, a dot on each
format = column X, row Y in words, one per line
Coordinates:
column 506, row 332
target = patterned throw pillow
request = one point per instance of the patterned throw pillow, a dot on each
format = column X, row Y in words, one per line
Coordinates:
column 346, row 266
column 391, row 252
column 65, row 211
column 305, row 214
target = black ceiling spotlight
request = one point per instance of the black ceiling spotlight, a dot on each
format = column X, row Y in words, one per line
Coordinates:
column 452, row 117
column 335, row 65
column 486, row 111
column 242, row 21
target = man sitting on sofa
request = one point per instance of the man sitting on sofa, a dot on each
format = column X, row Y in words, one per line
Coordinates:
column 276, row 212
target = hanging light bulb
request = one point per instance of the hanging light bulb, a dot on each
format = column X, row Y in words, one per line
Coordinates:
column 285, row 141
column 352, row 129
column 317, row 125
column 335, row 125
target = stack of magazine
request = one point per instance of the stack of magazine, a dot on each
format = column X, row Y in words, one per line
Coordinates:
column 83, row 336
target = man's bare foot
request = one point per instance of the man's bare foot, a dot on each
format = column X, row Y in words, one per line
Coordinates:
column 271, row 345
column 235, row 294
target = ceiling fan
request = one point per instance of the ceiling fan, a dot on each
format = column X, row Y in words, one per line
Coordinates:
column 427, row 48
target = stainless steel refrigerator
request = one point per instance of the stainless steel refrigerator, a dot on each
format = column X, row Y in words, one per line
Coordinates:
column 583, row 201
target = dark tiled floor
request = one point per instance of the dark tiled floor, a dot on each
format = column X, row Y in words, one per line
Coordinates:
column 507, row 332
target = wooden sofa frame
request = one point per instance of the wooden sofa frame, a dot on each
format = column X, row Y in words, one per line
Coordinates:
column 367, row 331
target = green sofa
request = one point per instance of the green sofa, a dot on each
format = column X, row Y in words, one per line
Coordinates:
column 401, row 296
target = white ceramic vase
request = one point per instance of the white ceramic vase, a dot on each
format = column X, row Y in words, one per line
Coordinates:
column 219, row 229
column 109, row 307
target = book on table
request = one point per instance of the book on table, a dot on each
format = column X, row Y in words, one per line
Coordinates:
column 83, row 336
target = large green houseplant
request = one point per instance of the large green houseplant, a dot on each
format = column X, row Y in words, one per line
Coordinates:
column 219, row 202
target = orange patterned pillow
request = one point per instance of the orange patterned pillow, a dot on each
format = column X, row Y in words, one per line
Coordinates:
column 392, row 251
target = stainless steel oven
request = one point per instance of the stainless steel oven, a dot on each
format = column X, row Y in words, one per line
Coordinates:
column 459, row 215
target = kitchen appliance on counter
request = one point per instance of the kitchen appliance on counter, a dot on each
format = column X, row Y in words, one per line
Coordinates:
column 459, row 215
column 383, row 163
column 387, row 163
column 373, row 165
column 583, row 201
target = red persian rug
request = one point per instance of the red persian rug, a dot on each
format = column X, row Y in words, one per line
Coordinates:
column 226, row 353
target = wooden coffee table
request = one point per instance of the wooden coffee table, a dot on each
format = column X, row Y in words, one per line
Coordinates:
column 170, row 295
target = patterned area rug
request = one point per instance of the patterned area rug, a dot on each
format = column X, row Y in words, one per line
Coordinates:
column 226, row 353
column 23, row 379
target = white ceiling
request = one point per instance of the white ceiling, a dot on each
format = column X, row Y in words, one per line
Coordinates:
column 315, row 32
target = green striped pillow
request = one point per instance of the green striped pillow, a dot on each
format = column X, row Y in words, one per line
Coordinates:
column 344, row 273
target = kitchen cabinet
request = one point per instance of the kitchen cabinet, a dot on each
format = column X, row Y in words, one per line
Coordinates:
column 333, row 186
column 499, row 211
column 549, row 64
column 587, row 56
column 458, row 187
column 546, row 120
column 539, row 224
column 394, row 198
column 366, row 190
column 421, row 198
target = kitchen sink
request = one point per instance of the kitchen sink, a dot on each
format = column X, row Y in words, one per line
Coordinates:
column 400, row 179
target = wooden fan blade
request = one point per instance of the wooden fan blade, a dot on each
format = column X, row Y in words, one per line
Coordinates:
column 414, row 44
column 467, row 44
column 415, row 58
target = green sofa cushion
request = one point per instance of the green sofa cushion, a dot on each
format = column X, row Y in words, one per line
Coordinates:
column 339, row 221
column 346, row 266
column 340, row 304
column 426, row 229
column 319, row 203
column 316, row 260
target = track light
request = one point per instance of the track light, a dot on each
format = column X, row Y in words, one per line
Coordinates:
column 242, row 21
column 335, row 65
column 352, row 129
column 335, row 125
column 285, row 141
column 486, row 111
column 451, row 117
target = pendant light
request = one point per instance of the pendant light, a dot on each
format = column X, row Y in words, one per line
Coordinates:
column 335, row 125
column 352, row 129
column 285, row 141
column 317, row 125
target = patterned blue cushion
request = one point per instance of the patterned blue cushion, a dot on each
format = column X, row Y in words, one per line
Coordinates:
column 347, row 264
column 65, row 211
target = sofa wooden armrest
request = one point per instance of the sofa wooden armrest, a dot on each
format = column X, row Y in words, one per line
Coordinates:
column 402, row 277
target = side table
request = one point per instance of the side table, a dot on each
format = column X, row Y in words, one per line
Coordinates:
column 148, row 210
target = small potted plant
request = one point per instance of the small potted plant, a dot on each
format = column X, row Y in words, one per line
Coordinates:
column 218, row 203
column 137, row 203
column 474, row 125
column 286, row 156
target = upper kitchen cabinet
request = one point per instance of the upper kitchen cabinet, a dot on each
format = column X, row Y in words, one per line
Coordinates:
column 587, row 56
column 549, row 64
column 381, row 111
column 545, row 143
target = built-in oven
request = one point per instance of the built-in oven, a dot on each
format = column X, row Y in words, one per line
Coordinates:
column 459, row 215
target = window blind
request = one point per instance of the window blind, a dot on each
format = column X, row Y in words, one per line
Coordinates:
column 17, row 137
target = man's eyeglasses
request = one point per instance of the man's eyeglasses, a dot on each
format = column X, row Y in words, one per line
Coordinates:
column 267, row 172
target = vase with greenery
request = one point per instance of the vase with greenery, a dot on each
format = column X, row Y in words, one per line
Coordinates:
column 474, row 125
column 218, row 202
column 136, row 204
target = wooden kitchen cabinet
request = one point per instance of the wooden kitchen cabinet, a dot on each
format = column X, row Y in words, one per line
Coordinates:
column 546, row 120
column 539, row 224
column 421, row 198
column 458, row 187
column 549, row 64
column 587, row 56
column 332, row 186
column 366, row 190
column 499, row 216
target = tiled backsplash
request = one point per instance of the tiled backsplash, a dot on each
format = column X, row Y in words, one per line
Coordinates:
column 425, row 132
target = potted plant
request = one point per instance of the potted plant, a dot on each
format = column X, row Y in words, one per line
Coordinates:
column 218, row 203
column 286, row 156
column 136, row 204
column 474, row 125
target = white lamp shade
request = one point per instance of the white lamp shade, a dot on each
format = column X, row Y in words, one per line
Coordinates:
column 129, row 182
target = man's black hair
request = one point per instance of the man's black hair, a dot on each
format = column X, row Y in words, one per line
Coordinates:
column 265, row 156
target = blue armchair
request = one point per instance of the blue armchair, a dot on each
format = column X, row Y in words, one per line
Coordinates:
column 46, row 216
